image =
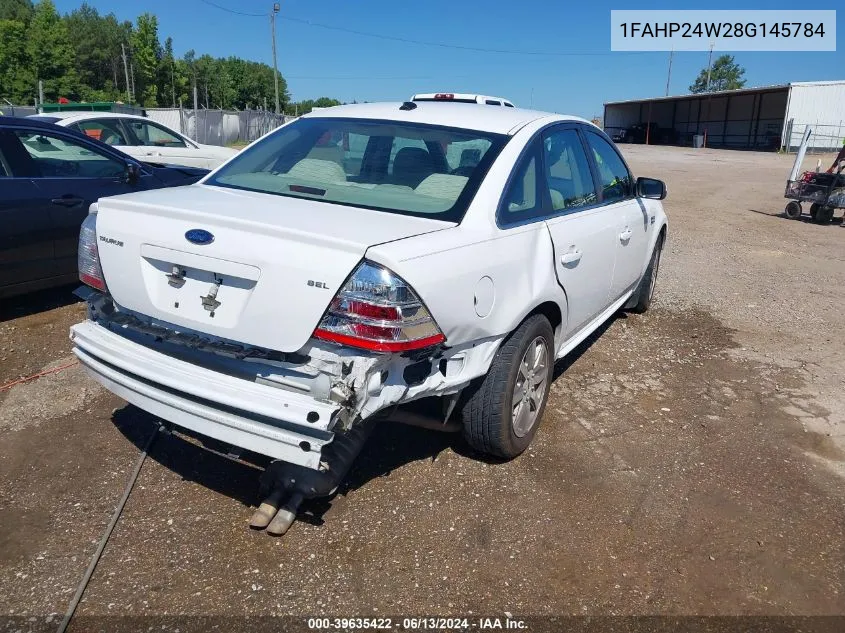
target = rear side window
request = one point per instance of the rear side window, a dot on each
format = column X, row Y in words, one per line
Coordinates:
column 153, row 135
column 523, row 199
column 568, row 176
column 614, row 177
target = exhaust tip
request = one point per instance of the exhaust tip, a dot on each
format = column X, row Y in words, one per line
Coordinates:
column 281, row 522
column 262, row 517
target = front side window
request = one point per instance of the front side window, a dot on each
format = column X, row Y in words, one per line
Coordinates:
column 614, row 177
column 106, row 131
column 53, row 156
column 154, row 135
column 384, row 165
column 568, row 174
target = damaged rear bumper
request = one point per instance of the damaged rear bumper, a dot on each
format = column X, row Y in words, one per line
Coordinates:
column 285, row 406
column 274, row 422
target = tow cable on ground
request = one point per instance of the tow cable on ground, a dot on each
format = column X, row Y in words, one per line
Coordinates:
column 77, row 597
column 46, row 372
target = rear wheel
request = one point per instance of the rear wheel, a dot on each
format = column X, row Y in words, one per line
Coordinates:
column 824, row 215
column 814, row 210
column 645, row 291
column 793, row 210
column 503, row 410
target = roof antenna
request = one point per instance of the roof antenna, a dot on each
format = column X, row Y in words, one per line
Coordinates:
column 408, row 105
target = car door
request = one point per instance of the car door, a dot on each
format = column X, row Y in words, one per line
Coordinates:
column 631, row 219
column 26, row 240
column 582, row 230
column 160, row 145
column 69, row 174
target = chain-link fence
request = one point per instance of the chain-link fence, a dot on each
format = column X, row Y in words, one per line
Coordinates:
column 825, row 137
column 218, row 127
column 211, row 127
column 10, row 110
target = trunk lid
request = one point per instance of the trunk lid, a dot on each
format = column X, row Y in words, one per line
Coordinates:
column 268, row 269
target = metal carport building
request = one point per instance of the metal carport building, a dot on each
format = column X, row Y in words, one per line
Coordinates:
column 766, row 118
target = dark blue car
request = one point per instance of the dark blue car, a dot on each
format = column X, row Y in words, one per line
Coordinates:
column 49, row 176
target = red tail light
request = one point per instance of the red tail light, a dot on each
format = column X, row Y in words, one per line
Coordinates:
column 444, row 96
column 378, row 311
column 88, row 257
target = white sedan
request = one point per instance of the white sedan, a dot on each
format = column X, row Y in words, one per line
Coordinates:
column 141, row 138
column 359, row 259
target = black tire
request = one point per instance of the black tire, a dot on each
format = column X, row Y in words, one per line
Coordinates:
column 793, row 210
column 814, row 209
column 824, row 215
column 645, row 291
column 488, row 408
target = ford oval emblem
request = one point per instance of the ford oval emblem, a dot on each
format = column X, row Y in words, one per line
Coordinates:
column 199, row 236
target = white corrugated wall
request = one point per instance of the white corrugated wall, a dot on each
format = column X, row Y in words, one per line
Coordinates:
column 821, row 105
column 167, row 116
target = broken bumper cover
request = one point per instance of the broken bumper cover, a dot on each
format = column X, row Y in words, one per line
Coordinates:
column 280, row 424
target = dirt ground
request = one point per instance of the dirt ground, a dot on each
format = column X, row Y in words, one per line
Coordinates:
column 691, row 460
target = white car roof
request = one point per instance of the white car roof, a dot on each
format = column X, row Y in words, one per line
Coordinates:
column 469, row 116
column 86, row 114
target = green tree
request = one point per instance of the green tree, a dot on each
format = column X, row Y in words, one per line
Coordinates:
column 50, row 54
column 79, row 56
column 18, row 10
column 17, row 80
column 146, row 56
column 170, row 80
column 304, row 107
column 251, row 83
column 96, row 42
column 326, row 102
column 725, row 74
column 204, row 71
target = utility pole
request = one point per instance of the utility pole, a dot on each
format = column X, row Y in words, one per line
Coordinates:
column 669, row 75
column 132, row 74
column 41, row 92
column 273, row 13
column 126, row 72
column 709, row 66
column 196, row 121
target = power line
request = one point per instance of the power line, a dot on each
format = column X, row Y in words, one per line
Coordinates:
column 406, row 40
column 443, row 44
column 228, row 10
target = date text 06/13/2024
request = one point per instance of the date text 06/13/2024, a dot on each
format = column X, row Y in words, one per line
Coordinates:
column 418, row 624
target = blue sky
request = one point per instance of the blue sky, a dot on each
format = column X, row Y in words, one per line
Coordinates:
column 321, row 62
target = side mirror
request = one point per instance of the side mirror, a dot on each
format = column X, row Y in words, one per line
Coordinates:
column 651, row 188
column 132, row 173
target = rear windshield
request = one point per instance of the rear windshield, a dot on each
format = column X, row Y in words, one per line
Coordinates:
column 404, row 168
